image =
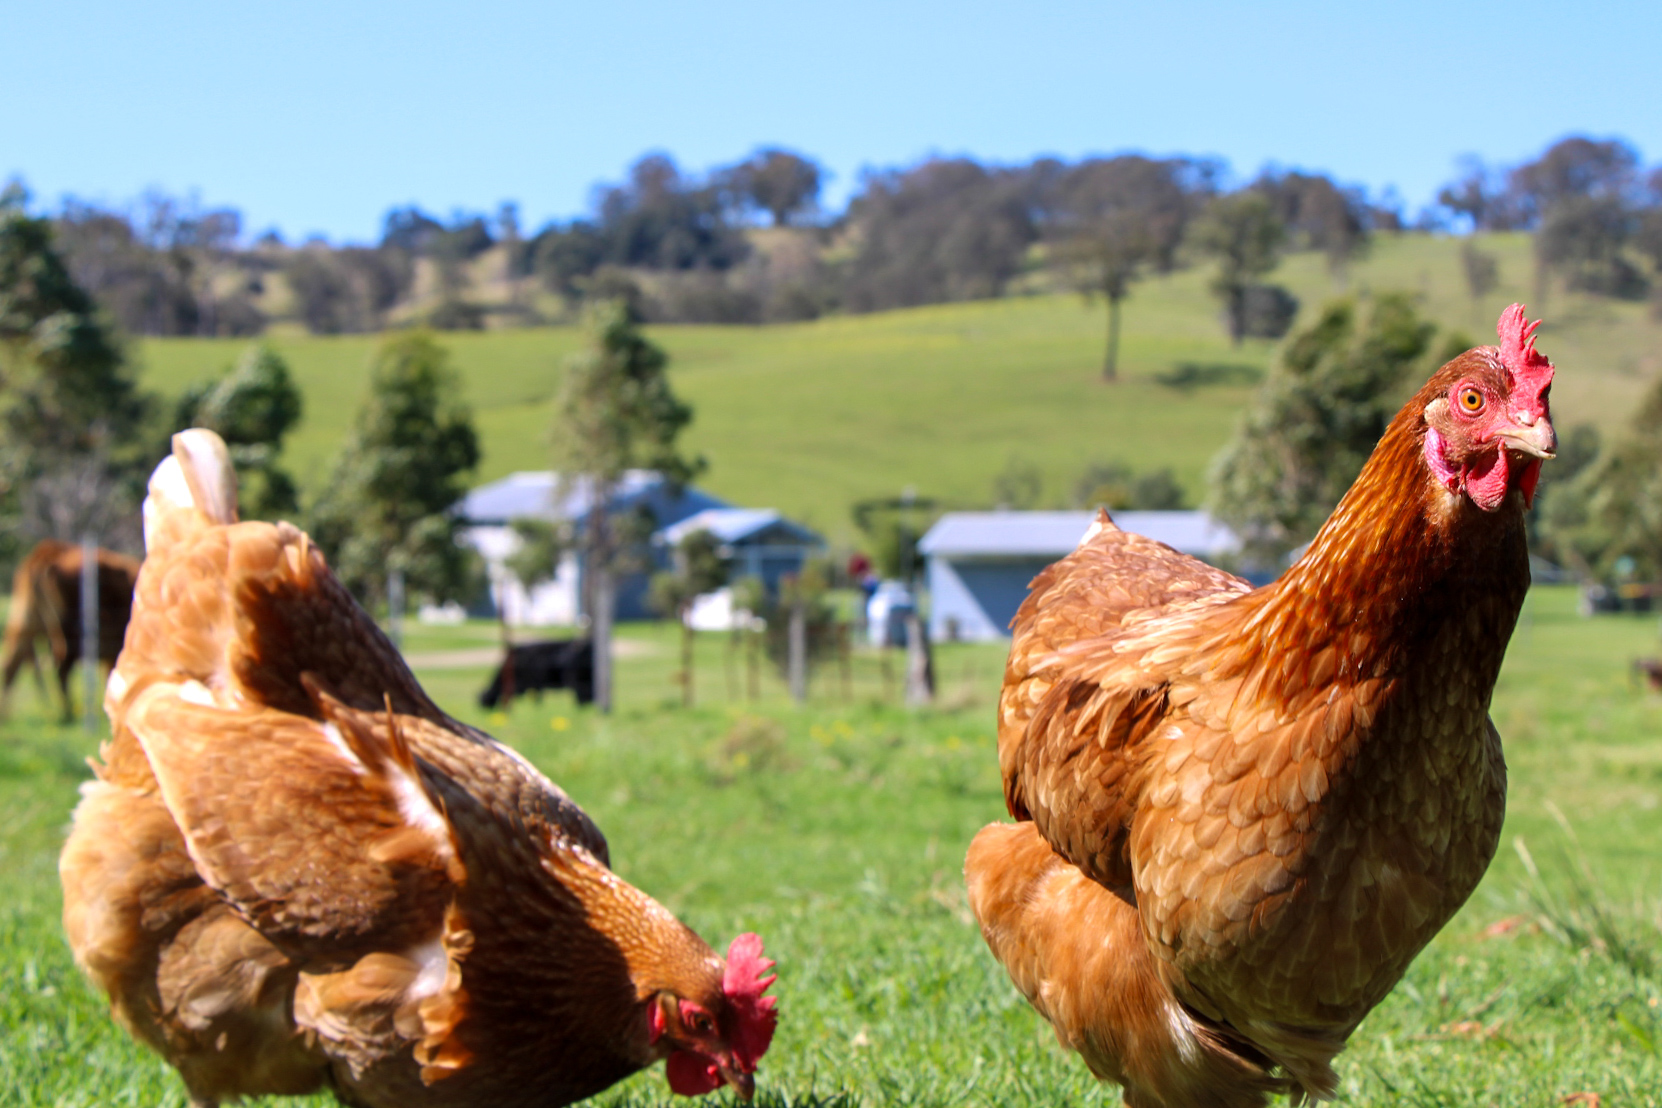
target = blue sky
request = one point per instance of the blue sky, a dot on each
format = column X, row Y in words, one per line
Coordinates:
column 317, row 117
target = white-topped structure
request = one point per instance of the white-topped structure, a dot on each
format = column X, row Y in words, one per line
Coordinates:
column 756, row 541
column 979, row 564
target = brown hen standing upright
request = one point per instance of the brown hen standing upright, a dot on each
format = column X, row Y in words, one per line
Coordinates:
column 294, row 871
column 1244, row 812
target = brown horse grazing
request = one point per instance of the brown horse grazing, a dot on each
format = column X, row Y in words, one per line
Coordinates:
column 46, row 604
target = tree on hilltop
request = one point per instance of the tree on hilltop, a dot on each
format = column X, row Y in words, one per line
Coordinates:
column 778, row 182
column 1110, row 221
column 1243, row 233
column 948, row 229
column 1319, row 215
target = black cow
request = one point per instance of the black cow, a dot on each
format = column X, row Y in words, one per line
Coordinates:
column 534, row 666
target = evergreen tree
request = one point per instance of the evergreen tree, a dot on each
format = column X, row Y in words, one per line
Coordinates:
column 405, row 466
column 252, row 408
column 73, row 446
column 616, row 412
column 1314, row 423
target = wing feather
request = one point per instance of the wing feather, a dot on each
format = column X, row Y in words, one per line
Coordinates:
column 1094, row 647
column 314, row 831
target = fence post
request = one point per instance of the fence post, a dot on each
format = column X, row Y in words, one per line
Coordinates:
column 797, row 657
column 600, row 629
column 920, row 662
column 89, row 631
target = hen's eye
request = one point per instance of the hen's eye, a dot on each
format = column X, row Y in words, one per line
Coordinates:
column 699, row 1022
column 1471, row 400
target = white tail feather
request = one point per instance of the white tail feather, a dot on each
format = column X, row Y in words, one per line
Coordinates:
column 198, row 474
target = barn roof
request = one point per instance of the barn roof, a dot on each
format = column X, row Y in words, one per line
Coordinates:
column 537, row 494
column 736, row 525
column 1053, row 534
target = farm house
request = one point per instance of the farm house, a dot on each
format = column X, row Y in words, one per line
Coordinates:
column 757, row 541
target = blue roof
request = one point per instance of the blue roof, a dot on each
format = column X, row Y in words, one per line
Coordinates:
column 735, row 525
column 1052, row 534
column 538, row 495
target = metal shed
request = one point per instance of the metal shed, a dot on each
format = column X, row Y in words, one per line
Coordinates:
column 980, row 563
column 757, row 542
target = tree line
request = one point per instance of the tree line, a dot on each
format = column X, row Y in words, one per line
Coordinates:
column 750, row 242
column 1595, row 213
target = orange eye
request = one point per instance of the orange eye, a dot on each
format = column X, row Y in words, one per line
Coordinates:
column 698, row 1021
column 1471, row 400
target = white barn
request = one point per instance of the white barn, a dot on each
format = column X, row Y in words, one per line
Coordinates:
column 980, row 563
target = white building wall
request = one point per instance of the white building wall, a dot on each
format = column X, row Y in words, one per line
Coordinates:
column 951, row 600
column 548, row 604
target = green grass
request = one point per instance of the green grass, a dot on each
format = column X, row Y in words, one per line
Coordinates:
column 810, row 417
column 837, row 831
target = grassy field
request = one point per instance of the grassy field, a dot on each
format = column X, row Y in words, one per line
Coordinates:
column 810, row 417
column 837, row 831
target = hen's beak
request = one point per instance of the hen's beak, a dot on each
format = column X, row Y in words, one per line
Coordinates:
column 743, row 1083
column 1537, row 440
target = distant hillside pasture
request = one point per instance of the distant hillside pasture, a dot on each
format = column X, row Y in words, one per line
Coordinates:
column 810, row 417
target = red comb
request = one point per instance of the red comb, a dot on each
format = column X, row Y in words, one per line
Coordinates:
column 745, row 981
column 1528, row 369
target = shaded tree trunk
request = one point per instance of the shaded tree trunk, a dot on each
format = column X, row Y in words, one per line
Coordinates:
column 686, row 659
column 1110, row 363
column 1235, row 304
column 600, row 627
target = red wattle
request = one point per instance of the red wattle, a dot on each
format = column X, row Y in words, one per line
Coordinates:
column 1527, row 482
column 691, row 1073
column 1488, row 480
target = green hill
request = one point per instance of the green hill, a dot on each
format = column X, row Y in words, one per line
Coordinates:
column 810, row 417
